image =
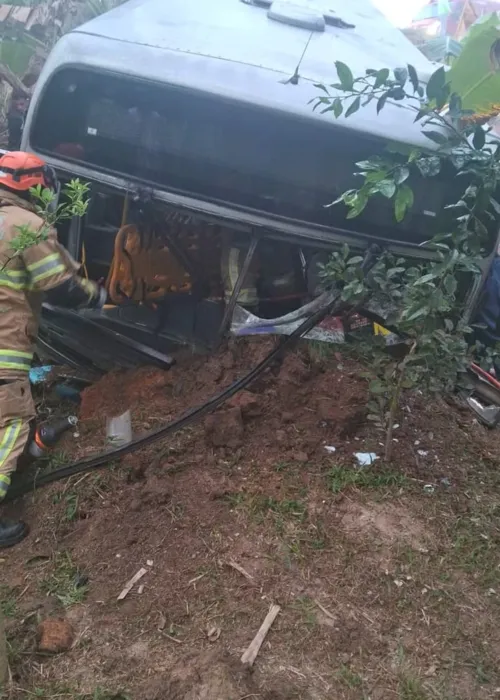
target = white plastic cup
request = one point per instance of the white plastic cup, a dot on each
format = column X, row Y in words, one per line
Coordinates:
column 119, row 429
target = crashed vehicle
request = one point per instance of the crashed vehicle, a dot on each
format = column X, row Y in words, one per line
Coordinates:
column 209, row 169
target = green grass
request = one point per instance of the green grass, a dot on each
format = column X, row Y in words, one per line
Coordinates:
column 476, row 541
column 411, row 688
column 349, row 677
column 63, row 582
column 71, row 500
column 341, row 478
column 8, row 601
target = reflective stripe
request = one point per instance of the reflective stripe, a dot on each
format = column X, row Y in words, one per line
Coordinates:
column 48, row 266
column 14, row 279
column 8, row 443
column 12, row 359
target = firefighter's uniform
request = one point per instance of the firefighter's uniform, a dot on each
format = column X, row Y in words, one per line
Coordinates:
column 23, row 278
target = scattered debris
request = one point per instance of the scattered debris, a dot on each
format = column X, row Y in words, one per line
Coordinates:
column 330, row 448
column 128, row 586
column 242, row 571
column 250, row 654
column 365, row 459
column 169, row 636
column 56, row 636
column 429, row 488
column 326, row 612
column 213, row 633
column 422, row 453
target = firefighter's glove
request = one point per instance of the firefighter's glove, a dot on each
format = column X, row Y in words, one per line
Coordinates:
column 97, row 295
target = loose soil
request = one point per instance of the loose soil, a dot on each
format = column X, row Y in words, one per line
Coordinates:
column 388, row 577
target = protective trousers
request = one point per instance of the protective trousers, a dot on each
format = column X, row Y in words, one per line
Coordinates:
column 17, row 410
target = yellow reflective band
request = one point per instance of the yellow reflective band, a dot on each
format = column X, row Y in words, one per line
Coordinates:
column 48, row 273
column 53, row 257
column 14, row 279
column 9, row 440
column 13, row 359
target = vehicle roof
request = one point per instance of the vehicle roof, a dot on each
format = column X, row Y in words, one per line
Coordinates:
column 234, row 49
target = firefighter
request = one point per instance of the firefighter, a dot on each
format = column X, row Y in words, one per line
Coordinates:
column 45, row 268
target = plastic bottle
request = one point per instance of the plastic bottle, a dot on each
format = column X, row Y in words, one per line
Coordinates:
column 46, row 436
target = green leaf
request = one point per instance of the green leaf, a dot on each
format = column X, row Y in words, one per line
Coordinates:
column 402, row 174
column 495, row 205
column 321, row 87
column 401, row 75
column 382, row 76
column 387, row 188
column 479, row 138
column 413, row 77
column 353, row 107
column 368, row 165
column 337, row 107
column 436, row 84
column 381, row 102
column 450, row 284
column 429, row 167
column 345, row 75
column 435, row 136
column 403, row 202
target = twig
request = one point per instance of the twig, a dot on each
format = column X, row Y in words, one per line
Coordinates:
column 242, row 571
column 168, row 636
column 324, row 610
column 128, row 586
column 250, row 654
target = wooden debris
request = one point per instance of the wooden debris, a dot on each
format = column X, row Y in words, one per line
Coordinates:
column 250, row 654
column 326, row 612
column 168, row 636
column 242, row 571
column 128, row 586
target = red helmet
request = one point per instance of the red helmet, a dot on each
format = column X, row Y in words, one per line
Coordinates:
column 21, row 171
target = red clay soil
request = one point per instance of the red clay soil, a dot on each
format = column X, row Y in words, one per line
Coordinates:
column 249, row 485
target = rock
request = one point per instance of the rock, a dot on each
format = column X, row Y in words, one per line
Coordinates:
column 56, row 636
column 301, row 457
column 248, row 403
column 225, row 428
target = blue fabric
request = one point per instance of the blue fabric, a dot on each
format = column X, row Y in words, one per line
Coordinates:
column 40, row 374
column 489, row 312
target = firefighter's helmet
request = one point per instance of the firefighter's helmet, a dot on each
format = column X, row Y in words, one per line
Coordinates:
column 21, row 171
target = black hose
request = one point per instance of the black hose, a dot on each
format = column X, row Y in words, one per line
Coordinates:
column 194, row 414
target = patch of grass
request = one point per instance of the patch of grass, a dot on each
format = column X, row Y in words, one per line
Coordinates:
column 65, row 582
column 306, row 608
column 55, row 460
column 72, row 501
column 259, row 505
column 8, row 601
column 476, row 545
column 349, row 677
column 411, row 688
column 341, row 478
